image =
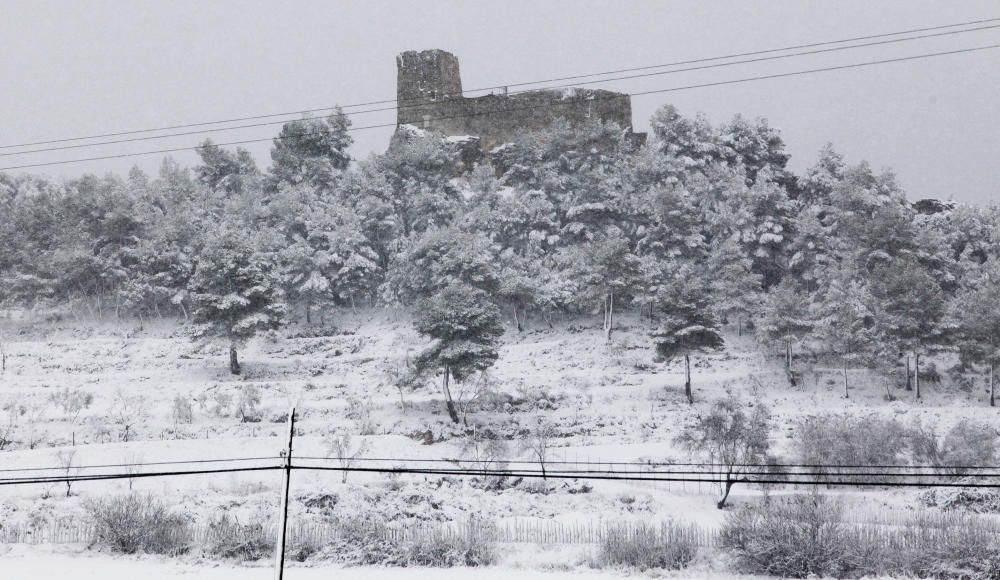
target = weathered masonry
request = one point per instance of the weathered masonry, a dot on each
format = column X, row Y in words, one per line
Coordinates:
column 429, row 93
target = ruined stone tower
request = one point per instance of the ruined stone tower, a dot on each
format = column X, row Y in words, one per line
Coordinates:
column 429, row 89
column 427, row 75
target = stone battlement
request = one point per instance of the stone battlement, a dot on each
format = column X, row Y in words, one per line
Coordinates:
column 429, row 90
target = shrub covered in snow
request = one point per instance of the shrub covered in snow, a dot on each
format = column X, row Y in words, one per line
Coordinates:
column 137, row 523
column 844, row 440
column 807, row 536
column 230, row 538
column 646, row 547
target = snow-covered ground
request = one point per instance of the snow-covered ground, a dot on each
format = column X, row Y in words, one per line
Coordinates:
column 60, row 562
column 609, row 403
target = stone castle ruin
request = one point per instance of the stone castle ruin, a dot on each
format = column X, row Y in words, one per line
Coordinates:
column 429, row 93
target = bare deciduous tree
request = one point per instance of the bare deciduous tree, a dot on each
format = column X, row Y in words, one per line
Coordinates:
column 404, row 377
column 471, row 393
column 66, row 458
column 339, row 446
column 34, row 413
column 127, row 412
column 133, row 466
column 539, row 442
column 487, row 454
column 14, row 408
column 733, row 438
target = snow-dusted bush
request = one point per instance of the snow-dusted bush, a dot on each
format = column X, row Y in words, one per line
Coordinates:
column 363, row 542
column 360, row 412
column 645, row 546
column 216, row 404
column 793, row 538
column 806, row 536
column 442, row 550
column 844, row 440
column 535, row 398
column 966, row 444
column 248, row 405
column 72, row 402
column 181, row 411
column 230, row 538
column 137, row 523
column 969, row 499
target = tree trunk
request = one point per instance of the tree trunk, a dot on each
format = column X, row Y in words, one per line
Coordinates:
column 450, row 404
column 234, row 361
column 992, row 398
column 308, row 312
column 909, row 385
column 609, row 314
column 725, row 494
column 788, row 364
column 517, row 321
column 739, row 326
column 687, row 379
column 847, row 392
column 916, row 374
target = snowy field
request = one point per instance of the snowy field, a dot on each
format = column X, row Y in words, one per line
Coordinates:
column 609, row 403
column 63, row 562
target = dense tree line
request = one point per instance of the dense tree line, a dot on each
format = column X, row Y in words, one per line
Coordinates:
column 700, row 227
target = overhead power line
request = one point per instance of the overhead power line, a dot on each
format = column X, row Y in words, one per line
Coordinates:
column 140, row 475
column 774, row 479
column 416, row 102
column 629, row 476
column 542, row 88
column 663, row 464
column 760, row 473
column 137, row 464
column 655, row 467
column 538, row 106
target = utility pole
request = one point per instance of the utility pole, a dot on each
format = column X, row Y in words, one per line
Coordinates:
column 279, row 551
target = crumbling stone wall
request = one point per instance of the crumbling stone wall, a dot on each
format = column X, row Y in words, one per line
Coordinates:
column 430, row 97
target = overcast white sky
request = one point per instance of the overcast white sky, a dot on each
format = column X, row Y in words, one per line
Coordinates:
column 73, row 68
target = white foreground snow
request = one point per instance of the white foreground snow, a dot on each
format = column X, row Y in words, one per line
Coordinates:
column 23, row 562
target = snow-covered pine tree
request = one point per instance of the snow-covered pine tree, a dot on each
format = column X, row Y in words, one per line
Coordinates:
column 843, row 319
column 312, row 151
column 465, row 326
column 907, row 309
column 439, row 258
column 610, row 271
column 225, row 172
column 785, row 319
column 974, row 318
column 236, row 290
column 687, row 321
column 735, row 287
